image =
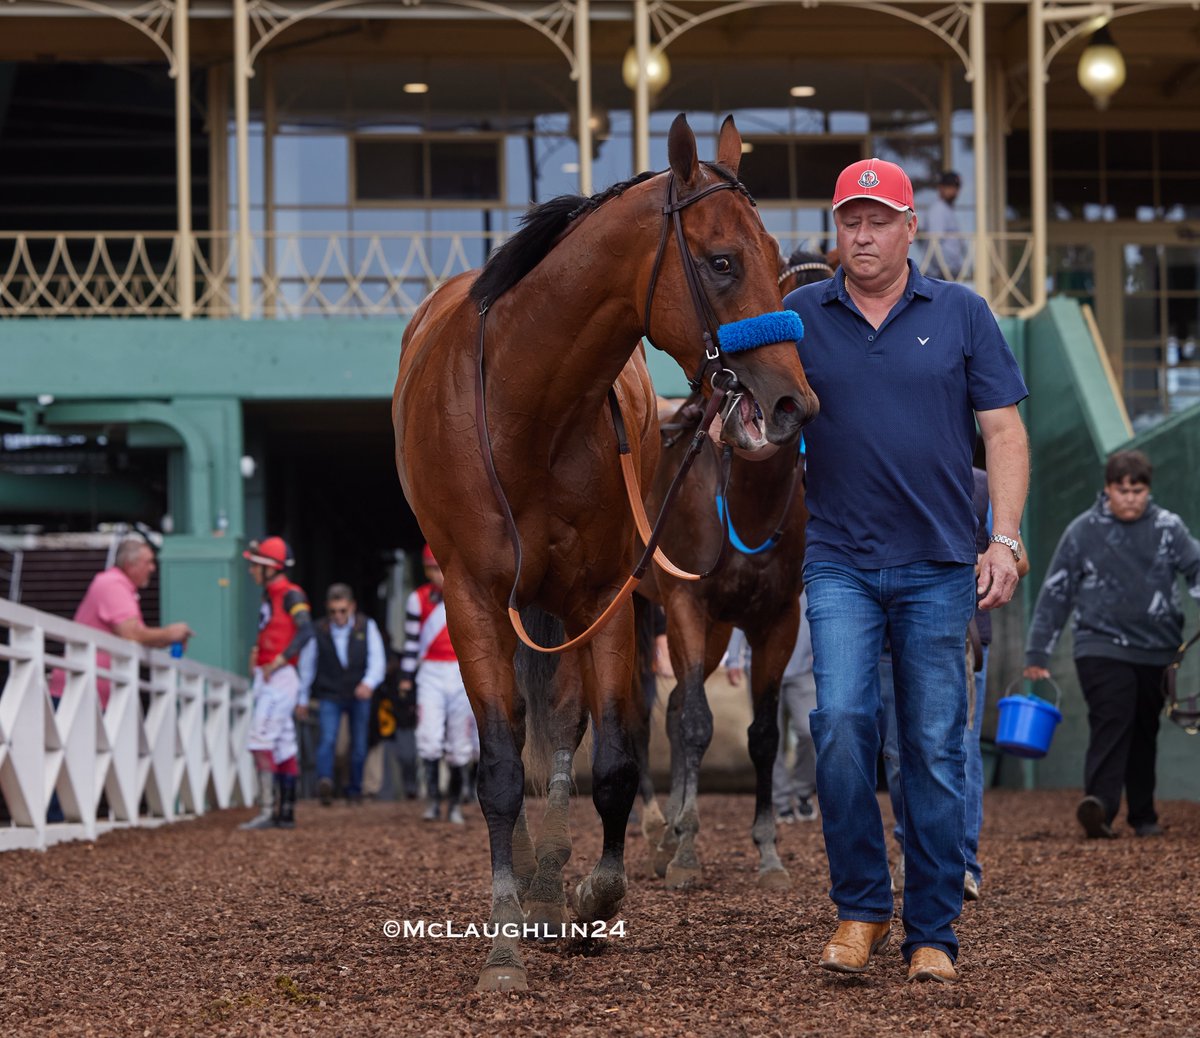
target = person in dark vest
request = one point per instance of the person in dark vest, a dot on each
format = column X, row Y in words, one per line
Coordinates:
column 340, row 669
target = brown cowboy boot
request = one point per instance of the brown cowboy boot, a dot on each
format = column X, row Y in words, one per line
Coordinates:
column 853, row 944
column 931, row 964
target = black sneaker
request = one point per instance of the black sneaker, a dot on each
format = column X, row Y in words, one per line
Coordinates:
column 1148, row 829
column 806, row 810
column 325, row 791
column 785, row 817
column 1093, row 816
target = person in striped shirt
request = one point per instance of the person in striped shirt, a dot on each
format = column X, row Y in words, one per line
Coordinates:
column 445, row 723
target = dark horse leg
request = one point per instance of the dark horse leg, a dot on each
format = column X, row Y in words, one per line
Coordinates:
column 770, row 650
column 486, row 645
column 695, row 655
column 645, row 692
column 608, row 668
column 558, row 719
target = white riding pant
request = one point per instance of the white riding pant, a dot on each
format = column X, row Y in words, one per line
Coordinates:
column 445, row 723
column 274, row 726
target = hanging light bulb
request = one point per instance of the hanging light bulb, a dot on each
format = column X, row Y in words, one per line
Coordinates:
column 1101, row 67
column 658, row 69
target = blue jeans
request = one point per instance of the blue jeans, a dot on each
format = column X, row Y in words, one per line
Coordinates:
column 974, row 788
column 330, row 717
column 923, row 610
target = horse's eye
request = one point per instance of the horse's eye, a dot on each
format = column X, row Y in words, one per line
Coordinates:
column 721, row 264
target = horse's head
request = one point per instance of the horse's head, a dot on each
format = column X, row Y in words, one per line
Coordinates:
column 720, row 277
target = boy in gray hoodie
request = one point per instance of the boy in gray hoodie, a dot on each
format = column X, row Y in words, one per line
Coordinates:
column 1117, row 566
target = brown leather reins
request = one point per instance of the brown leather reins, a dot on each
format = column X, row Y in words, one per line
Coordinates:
column 724, row 385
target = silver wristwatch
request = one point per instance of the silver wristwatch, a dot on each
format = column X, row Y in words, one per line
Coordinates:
column 1013, row 545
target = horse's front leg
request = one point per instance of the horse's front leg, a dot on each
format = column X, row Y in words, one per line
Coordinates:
column 668, row 842
column 770, row 651
column 608, row 672
column 694, row 736
column 545, row 903
column 645, row 693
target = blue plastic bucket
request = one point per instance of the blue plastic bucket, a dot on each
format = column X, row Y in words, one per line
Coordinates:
column 1027, row 724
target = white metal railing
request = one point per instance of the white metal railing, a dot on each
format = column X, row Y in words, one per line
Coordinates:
column 317, row 273
column 165, row 747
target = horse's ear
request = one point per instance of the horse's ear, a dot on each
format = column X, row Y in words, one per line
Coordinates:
column 729, row 145
column 681, row 150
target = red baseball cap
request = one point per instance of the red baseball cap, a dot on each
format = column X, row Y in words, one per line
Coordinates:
column 878, row 180
column 428, row 556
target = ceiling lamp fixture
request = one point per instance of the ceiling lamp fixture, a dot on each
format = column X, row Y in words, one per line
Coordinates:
column 803, row 91
column 658, row 69
column 416, row 88
column 1101, row 67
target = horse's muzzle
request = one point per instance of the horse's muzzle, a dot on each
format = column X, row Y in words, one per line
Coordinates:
column 789, row 415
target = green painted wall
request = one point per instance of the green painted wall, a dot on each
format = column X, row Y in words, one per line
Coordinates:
column 171, row 359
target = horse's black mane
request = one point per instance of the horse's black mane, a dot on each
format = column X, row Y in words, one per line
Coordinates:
column 540, row 228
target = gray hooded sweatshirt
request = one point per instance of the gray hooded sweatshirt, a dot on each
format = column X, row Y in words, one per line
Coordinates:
column 1122, row 579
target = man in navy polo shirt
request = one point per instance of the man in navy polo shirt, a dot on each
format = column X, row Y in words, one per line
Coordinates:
column 904, row 367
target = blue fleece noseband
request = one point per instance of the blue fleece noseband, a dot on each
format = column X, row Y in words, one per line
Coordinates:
column 784, row 326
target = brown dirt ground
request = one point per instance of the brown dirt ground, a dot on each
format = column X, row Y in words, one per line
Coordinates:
column 197, row 928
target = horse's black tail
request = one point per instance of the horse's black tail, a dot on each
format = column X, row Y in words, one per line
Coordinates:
column 535, row 674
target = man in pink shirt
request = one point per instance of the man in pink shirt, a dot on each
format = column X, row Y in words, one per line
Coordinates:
column 111, row 604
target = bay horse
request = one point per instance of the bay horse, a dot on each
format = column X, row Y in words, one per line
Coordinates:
column 743, row 520
column 506, row 452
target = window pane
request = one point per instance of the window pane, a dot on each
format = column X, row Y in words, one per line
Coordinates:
column 311, row 170
column 464, row 170
column 388, row 170
column 819, row 163
column 1129, row 150
column 1177, row 152
column 1128, row 194
column 1074, row 150
column 1071, row 195
column 765, row 169
column 1183, row 191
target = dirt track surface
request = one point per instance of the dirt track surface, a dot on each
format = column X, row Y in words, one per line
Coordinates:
column 197, row 928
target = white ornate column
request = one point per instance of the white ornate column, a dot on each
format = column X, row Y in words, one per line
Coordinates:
column 185, row 264
column 583, row 93
column 241, row 116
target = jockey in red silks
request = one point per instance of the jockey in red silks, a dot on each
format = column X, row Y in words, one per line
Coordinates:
column 284, row 626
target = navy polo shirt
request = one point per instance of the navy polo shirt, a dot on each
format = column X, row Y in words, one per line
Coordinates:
column 889, row 456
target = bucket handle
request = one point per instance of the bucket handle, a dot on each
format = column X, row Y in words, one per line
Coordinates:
column 1054, row 684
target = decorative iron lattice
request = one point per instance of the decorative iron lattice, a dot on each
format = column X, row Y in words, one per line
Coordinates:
column 312, row 274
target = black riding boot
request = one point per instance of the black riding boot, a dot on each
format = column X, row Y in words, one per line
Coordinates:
column 432, row 777
column 455, row 794
column 287, row 802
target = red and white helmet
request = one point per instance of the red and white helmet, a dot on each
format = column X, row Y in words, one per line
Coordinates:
column 273, row 552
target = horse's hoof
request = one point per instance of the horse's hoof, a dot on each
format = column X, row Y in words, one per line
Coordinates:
column 549, row 919
column 663, row 856
column 774, row 879
column 679, row 877
column 598, row 897
column 653, row 825
column 502, row 978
